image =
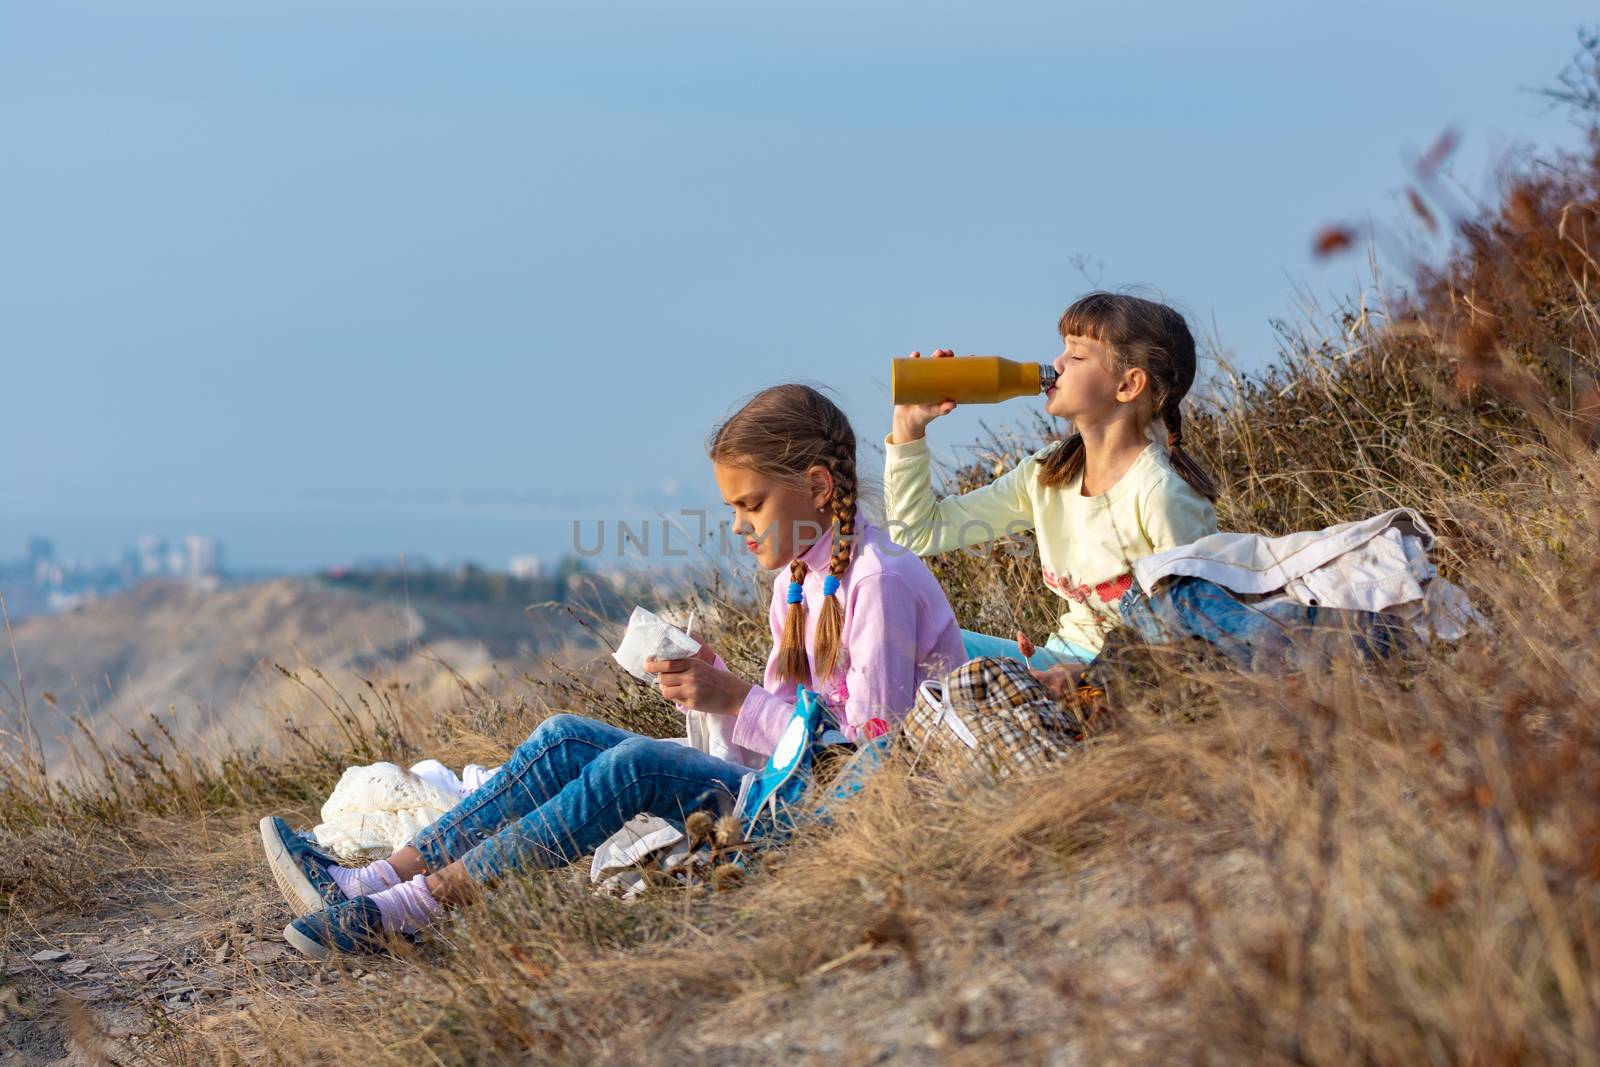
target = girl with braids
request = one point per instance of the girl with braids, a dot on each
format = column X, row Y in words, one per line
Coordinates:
column 1121, row 487
column 786, row 464
column 853, row 618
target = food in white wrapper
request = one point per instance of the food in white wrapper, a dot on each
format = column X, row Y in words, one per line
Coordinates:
column 650, row 637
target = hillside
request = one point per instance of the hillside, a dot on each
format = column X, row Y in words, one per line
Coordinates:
column 1368, row 862
column 206, row 663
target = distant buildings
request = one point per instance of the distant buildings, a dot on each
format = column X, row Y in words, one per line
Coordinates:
column 151, row 554
column 203, row 556
column 41, row 583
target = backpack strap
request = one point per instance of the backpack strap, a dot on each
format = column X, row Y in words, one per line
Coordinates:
column 946, row 715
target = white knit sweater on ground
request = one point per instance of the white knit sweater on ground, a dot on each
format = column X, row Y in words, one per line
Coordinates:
column 379, row 808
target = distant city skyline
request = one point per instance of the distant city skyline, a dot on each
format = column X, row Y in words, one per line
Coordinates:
column 42, row 581
column 337, row 281
column 521, row 546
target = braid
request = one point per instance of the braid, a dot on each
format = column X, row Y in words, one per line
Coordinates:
column 1172, row 415
column 792, row 662
column 843, row 505
column 1182, row 462
column 830, row 624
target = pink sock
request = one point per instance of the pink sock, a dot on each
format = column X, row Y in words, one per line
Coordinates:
column 407, row 907
column 364, row 881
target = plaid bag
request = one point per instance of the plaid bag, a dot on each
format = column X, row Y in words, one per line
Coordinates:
column 991, row 719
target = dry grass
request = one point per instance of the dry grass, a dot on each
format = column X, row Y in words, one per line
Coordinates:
column 1391, row 864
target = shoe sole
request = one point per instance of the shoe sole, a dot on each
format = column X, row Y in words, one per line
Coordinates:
column 298, row 892
column 304, row 945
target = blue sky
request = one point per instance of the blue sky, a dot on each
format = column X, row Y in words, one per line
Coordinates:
column 335, row 280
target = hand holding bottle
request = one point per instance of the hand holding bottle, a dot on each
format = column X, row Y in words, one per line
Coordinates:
column 924, row 389
column 911, row 420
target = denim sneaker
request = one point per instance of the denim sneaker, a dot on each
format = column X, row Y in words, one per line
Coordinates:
column 299, row 867
column 350, row 926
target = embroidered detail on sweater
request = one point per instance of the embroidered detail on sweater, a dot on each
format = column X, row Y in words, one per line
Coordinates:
column 1108, row 592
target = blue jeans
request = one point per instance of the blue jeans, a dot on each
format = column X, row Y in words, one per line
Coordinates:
column 1055, row 650
column 1271, row 635
column 567, row 788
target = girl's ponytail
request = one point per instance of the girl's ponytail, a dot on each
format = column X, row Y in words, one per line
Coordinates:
column 792, row 663
column 1189, row 470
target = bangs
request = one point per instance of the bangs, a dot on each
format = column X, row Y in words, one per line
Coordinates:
column 1097, row 316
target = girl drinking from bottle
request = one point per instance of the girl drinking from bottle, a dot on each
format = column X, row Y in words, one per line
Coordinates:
column 1121, row 487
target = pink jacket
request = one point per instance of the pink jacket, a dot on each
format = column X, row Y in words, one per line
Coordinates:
column 898, row 631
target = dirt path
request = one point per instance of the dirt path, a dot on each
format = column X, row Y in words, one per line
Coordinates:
column 170, row 944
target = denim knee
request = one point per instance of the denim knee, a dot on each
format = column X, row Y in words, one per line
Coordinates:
column 562, row 724
column 640, row 767
column 631, row 754
column 628, row 765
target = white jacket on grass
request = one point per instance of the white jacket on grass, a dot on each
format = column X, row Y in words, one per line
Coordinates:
column 1375, row 564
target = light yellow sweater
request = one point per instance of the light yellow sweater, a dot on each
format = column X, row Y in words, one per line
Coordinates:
column 1087, row 544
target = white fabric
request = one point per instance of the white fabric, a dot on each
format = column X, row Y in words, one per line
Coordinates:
column 379, row 808
column 615, row 866
column 1375, row 564
column 462, row 785
column 714, row 734
column 474, row 776
column 1255, row 564
column 1443, row 614
column 1374, row 576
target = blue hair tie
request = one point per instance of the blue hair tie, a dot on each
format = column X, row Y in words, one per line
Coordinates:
column 830, row 585
column 796, row 592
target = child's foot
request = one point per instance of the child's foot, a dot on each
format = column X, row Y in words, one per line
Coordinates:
column 350, row 926
column 299, row 868
column 365, row 924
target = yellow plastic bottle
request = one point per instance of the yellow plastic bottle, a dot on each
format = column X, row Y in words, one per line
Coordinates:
column 967, row 380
